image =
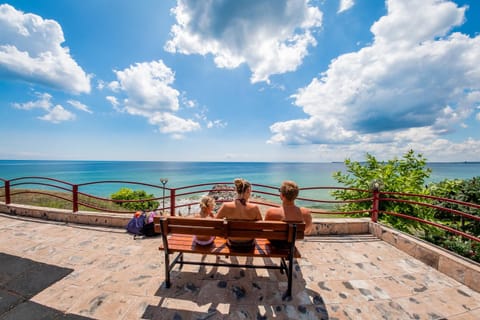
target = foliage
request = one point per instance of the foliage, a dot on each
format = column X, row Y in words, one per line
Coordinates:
column 465, row 248
column 407, row 175
column 461, row 190
column 128, row 199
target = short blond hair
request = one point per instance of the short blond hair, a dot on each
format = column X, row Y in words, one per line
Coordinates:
column 289, row 190
column 206, row 201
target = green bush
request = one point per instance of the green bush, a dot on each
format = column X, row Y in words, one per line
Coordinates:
column 129, row 194
column 464, row 248
column 407, row 174
column 461, row 190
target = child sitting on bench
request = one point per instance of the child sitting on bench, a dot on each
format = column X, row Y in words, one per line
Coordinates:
column 206, row 211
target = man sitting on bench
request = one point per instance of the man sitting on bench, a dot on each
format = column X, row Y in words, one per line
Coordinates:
column 289, row 212
column 240, row 209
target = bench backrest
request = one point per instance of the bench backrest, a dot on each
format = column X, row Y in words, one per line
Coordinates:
column 273, row 230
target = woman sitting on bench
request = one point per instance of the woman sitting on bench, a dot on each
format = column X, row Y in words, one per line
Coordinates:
column 240, row 209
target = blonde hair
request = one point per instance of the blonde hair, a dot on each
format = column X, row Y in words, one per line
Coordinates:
column 289, row 190
column 241, row 185
column 206, row 201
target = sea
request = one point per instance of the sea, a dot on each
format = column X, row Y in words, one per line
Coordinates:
column 180, row 174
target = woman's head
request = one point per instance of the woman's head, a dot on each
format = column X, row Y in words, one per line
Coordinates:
column 289, row 190
column 242, row 186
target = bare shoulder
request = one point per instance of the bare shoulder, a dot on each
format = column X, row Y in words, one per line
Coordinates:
column 305, row 210
column 230, row 204
column 273, row 214
column 254, row 211
column 224, row 210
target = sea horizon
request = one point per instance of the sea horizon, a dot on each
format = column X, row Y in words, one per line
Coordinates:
column 182, row 173
column 188, row 173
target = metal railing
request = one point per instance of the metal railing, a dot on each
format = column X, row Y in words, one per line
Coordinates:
column 265, row 195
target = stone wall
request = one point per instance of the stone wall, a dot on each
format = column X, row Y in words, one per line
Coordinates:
column 66, row 216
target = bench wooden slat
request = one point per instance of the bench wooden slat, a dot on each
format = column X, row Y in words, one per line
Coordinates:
column 218, row 227
column 263, row 247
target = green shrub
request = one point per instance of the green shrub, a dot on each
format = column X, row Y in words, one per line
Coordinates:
column 464, row 248
column 461, row 190
column 407, row 174
column 129, row 194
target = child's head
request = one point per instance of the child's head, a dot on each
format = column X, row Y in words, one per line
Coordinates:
column 207, row 202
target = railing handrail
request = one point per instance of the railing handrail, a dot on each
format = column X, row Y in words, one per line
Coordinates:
column 375, row 198
column 40, row 178
column 426, row 196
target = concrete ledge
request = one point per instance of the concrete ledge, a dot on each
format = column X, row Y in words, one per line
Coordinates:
column 340, row 226
column 455, row 266
column 67, row 216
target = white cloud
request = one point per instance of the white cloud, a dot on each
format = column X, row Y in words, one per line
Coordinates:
column 146, row 90
column 114, row 101
column 30, row 50
column 55, row 114
column 216, row 124
column 79, row 106
column 413, row 85
column 43, row 102
column 58, row 114
column 345, row 5
column 169, row 123
column 271, row 37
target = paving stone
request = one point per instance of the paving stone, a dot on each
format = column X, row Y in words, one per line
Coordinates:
column 103, row 273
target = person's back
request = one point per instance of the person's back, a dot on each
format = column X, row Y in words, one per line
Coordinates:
column 240, row 209
column 235, row 210
column 289, row 212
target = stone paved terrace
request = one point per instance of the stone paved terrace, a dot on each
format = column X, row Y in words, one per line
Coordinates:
column 52, row 270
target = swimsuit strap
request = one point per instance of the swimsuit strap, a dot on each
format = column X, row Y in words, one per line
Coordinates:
column 243, row 201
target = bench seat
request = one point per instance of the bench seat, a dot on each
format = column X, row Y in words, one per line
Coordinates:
column 178, row 232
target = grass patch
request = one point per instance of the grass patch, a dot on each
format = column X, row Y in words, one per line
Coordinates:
column 52, row 199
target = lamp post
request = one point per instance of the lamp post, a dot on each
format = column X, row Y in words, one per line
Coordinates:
column 164, row 182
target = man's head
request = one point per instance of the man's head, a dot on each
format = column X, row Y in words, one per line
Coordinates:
column 289, row 190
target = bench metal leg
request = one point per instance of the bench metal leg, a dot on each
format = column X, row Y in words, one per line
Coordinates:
column 288, row 294
column 180, row 259
column 283, row 266
column 169, row 266
column 167, row 269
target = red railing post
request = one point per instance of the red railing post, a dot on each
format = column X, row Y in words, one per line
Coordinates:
column 75, row 197
column 172, row 202
column 375, row 204
column 7, row 192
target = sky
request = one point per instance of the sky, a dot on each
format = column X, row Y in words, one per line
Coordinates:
column 230, row 80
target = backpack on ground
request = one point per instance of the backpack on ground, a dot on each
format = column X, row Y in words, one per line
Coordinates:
column 148, row 229
column 136, row 224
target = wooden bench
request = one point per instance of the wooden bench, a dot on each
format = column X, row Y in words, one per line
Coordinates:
column 177, row 235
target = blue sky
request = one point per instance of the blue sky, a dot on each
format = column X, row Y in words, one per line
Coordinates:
column 250, row 80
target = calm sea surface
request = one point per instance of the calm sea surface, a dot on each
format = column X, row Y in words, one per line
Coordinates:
column 188, row 173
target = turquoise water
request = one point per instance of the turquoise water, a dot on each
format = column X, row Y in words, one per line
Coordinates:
column 188, row 173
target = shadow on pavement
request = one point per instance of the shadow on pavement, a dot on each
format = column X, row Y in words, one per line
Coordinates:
column 20, row 280
column 236, row 294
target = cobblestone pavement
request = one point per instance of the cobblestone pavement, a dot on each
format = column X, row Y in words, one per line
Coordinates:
column 55, row 271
